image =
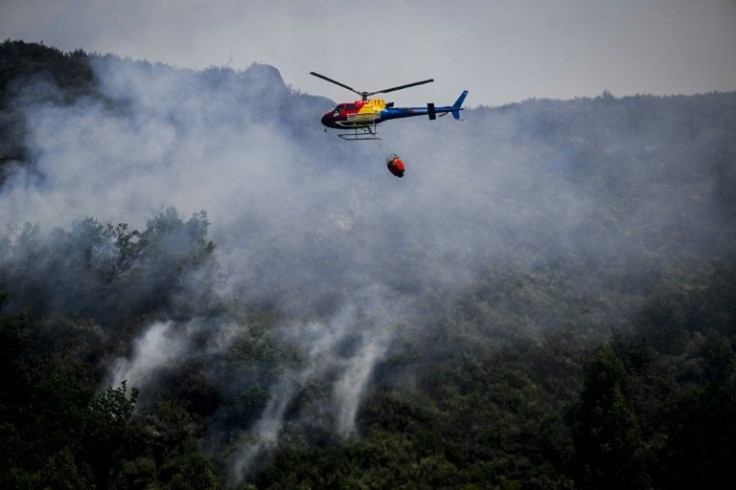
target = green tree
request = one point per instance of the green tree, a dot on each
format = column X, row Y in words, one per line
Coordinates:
column 701, row 447
column 195, row 473
column 608, row 443
column 109, row 431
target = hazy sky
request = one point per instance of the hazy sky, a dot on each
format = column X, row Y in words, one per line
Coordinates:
column 501, row 50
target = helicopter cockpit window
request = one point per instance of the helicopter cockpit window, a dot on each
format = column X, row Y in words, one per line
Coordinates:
column 351, row 107
column 338, row 107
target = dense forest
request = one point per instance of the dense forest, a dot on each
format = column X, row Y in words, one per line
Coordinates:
column 200, row 289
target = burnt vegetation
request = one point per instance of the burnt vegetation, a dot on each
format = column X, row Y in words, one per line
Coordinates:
column 608, row 363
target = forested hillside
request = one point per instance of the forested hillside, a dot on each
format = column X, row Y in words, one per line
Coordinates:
column 202, row 289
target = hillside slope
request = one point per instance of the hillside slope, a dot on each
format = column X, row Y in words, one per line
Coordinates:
column 200, row 288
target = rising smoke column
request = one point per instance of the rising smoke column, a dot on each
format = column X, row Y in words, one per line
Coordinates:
column 341, row 352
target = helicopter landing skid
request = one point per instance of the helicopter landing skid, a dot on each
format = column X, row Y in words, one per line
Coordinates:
column 365, row 134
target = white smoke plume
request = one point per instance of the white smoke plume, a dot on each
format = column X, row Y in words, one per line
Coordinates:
column 157, row 348
column 350, row 387
column 167, row 344
column 342, row 352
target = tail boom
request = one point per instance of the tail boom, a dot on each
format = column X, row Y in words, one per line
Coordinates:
column 430, row 110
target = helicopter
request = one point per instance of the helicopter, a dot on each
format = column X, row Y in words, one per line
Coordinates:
column 362, row 116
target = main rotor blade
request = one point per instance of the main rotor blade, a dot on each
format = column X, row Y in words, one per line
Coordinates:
column 401, row 87
column 335, row 82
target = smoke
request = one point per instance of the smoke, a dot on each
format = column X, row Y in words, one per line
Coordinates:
column 342, row 352
column 265, row 432
column 285, row 207
column 166, row 345
column 350, row 387
column 317, row 230
column 156, row 349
